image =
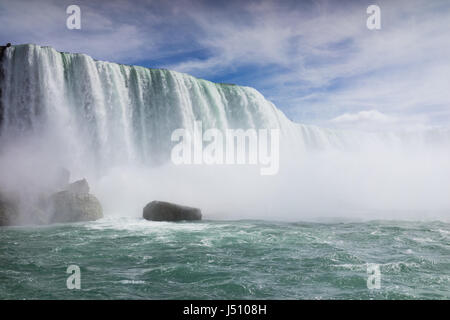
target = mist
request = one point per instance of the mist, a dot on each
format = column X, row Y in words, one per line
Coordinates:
column 325, row 185
column 400, row 181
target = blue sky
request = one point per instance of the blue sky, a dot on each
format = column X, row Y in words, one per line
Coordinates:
column 316, row 60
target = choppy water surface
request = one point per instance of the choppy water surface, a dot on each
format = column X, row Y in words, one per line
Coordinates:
column 138, row 259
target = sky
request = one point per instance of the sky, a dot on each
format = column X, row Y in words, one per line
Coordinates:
column 315, row 60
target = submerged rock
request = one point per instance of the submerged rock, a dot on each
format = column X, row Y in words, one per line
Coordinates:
column 67, row 206
column 166, row 211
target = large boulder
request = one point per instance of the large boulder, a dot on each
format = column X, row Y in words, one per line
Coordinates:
column 74, row 204
column 67, row 206
column 166, row 211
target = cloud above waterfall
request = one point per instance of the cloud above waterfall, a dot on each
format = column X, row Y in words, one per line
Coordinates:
column 371, row 118
column 374, row 120
column 316, row 60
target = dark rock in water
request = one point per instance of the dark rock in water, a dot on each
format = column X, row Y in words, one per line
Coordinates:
column 73, row 204
column 80, row 186
column 8, row 212
column 67, row 206
column 166, row 211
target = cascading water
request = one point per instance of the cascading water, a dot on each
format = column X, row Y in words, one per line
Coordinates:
column 120, row 113
column 126, row 113
column 61, row 109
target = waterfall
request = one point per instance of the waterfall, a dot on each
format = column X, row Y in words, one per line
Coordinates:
column 64, row 109
column 123, row 113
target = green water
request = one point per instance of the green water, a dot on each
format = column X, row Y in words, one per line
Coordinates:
column 138, row 259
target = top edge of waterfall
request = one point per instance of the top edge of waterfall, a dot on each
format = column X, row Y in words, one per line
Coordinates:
column 132, row 65
column 254, row 90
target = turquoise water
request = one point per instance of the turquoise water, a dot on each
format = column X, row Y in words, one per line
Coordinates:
column 138, row 259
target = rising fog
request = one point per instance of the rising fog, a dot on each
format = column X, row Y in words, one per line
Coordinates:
column 391, row 182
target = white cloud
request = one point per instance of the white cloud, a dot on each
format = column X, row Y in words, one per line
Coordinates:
column 376, row 121
column 101, row 35
column 363, row 116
